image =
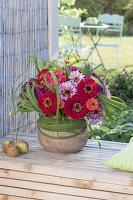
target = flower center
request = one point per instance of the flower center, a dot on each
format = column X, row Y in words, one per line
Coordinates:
column 88, row 88
column 92, row 103
column 96, row 112
column 47, row 102
column 77, row 107
column 67, row 92
column 76, row 79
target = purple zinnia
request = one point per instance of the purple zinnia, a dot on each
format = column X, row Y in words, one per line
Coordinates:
column 87, row 76
column 76, row 76
column 96, row 114
column 72, row 68
column 37, row 92
column 67, row 89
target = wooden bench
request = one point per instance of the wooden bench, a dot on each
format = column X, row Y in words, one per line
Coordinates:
column 50, row 176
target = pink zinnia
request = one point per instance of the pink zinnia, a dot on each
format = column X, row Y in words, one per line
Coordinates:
column 67, row 89
column 76, row 76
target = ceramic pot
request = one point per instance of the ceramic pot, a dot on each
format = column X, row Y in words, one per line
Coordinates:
column 55, row 142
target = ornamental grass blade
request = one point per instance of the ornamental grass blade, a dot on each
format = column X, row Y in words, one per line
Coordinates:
column 57, row 94
column 34, row 59
column 98, row 82
column 114, row 103
column 78, row 61
column 50, row 123
column 32, row 101
column 59, row 137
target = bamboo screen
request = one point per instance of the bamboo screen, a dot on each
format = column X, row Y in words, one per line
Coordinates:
column 23, row 32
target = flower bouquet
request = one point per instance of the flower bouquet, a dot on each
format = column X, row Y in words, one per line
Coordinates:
column 68, row 97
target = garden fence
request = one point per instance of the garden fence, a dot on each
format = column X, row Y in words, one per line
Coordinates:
column 23, row 33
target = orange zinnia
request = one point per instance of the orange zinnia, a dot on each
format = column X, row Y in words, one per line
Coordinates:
column 92, row 104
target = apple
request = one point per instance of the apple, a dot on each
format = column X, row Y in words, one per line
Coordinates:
column 5, row 144
column 12, row 150
column 22, row 146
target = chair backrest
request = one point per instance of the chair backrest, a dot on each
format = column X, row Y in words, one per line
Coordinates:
column 70, row 28
column 114, row 21
column 72, row 25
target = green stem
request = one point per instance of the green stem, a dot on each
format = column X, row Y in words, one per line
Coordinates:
column 90, row 127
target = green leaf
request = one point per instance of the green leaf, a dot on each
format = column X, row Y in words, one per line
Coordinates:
column 57, row 94
column 32, row 100
column 98, row 82
column 112, row 102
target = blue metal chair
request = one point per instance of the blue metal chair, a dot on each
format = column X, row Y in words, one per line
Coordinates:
column 115, row 23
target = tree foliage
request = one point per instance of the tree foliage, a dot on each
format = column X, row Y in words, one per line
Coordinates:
column 121, row 7
column 96, row 7
column 67, row 8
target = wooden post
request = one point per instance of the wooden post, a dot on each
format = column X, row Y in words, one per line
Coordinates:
column 53, row 28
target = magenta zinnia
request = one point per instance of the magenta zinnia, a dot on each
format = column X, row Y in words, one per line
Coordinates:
column 47, row 102
column 75, row 107
column 87, row 88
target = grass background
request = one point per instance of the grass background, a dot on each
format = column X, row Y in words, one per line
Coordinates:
column 109, row 54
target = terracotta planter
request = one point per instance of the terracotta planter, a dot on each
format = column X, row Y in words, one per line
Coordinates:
column 69, row 145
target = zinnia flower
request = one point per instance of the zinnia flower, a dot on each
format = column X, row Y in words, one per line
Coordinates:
column 92, row 104
column 47, row 102
column 62, row 104
column 49, row 79
column 75, row 107
column 37, row 92
column 76, row 76
column 67, row 89
column 40, row 76
column 61, row 77
column 96, row 114
column 72, row 68
column 87, row 88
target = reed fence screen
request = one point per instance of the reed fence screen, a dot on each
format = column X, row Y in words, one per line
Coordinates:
column 23, row 33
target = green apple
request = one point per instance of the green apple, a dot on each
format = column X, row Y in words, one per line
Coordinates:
column 12, row 150
column 22, row 146
column 5, row 144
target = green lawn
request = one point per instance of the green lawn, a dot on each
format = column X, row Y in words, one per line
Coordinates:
column 109, row 54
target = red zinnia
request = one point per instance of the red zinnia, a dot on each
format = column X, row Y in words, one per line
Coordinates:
column 40, row 75
column 47, row 102
column 60, row 75
column 92, row 104
column 75, row 107
column 87, row 88
column 62, row 104
column 49, row 79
